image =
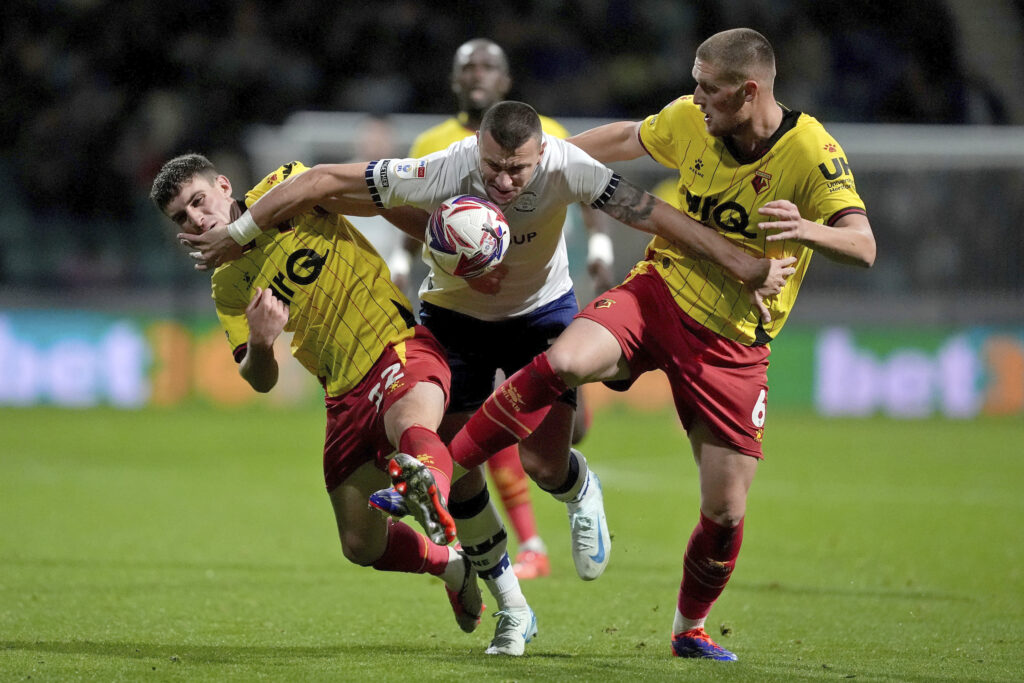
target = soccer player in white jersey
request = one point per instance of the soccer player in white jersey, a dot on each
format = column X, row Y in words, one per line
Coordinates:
column 533, row 178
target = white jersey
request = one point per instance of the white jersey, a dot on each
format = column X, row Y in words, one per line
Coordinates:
column 538, row 267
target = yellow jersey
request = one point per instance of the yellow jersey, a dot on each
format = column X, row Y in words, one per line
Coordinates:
column 454, row 129
column 724, row 191
column 343, row 309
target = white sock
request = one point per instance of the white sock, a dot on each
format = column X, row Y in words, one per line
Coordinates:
column 681, row 624
column 484, row 540
column 455, row 572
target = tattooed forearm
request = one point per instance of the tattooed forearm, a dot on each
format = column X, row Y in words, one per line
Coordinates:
column 631, row 206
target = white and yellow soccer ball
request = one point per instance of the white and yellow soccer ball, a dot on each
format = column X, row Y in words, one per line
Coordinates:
column 467, row 236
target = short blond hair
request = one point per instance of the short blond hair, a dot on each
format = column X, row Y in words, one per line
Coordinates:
column 740, row 54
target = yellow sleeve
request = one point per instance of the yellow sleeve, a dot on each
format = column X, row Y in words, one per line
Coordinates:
column 665, row 134
column 262, row 187
column 554, row 128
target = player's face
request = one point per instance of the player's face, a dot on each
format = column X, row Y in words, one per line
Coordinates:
column 201, row 204
column 480, row 78
column 722, row 102
column 506, row 173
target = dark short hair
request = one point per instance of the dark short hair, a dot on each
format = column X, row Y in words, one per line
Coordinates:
column 176, row 173
column 511, row 124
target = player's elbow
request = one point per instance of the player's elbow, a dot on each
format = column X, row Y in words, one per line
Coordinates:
column 867, row 255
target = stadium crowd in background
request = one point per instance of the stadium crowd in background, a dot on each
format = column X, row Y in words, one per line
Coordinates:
column 93, row 93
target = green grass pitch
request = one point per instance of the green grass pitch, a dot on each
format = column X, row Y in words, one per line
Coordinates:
column 197, row 544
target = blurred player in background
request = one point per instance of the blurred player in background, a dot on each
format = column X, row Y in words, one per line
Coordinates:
column 739, row 154
column 386, row 379
column 480, row 78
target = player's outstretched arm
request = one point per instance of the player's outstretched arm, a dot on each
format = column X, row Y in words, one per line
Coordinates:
column 849, row 241
column 619, row 141
column 267, row 315
column 297, row 194
column 300, row 193
column 644, row 211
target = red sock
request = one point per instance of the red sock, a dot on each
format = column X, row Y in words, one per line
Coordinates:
column 408, row 551
column 514, row 488
column 426, row 446
column 707, row 565
column 510, row 414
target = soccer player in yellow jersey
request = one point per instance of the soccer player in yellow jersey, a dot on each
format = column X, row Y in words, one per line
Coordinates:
column 480, row 78
column 386, row 379
column 776, row 184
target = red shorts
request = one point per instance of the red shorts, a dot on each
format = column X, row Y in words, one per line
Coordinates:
column 713, row 379
column 355, row 420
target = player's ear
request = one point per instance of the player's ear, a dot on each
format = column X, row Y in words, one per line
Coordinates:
column 223, row 184
column 749, row 89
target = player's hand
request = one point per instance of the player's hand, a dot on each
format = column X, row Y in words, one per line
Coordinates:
column 211, row 248
column 788, row 224
column 779, row 271
column 600, row 275
column 489, row 283
column 267, row 316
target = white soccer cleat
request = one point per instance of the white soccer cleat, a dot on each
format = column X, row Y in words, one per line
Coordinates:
column 516, row 627
column 591, row 543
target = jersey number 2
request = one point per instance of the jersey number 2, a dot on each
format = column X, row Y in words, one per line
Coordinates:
column 389, row 376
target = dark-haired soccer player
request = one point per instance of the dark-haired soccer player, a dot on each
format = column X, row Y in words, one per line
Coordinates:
column 480, row 78
column 775, row 184
column 386, row 379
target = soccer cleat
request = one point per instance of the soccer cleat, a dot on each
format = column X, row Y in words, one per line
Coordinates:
column 390, row 502
column 516, row 627
column 531, row 565
column 415, row 483
column 697, row 644
column 467, row 602
column 591, row 543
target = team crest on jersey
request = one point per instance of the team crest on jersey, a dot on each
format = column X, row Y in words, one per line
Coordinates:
column 604, row 303
column 759, row 434
column 410, row 168
column 526, row 202
column 761, row 181
column 395, row 386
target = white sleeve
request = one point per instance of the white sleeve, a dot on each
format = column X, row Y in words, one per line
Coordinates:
column 589, row 180
column 424, row 182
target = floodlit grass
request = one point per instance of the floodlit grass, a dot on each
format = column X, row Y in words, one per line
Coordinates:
column 195, row 544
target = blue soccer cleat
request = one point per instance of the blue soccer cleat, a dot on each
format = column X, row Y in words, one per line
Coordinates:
column 390, row 502
column 697, row 644
column 411, row 479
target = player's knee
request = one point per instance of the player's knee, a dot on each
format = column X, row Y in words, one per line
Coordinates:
column 564, row 364
column 725, row 513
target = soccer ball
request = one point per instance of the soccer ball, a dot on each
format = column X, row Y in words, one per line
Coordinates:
column 467, row 236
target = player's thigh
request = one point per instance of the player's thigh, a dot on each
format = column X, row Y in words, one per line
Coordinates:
column 587, row 352
column 725, row 474
column 362, row 531
column 422, row 405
